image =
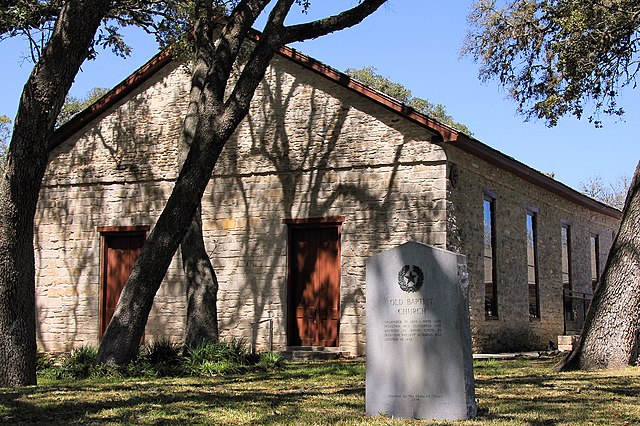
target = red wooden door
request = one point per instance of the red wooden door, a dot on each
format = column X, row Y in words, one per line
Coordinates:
column 314, row 309
column 120, row 252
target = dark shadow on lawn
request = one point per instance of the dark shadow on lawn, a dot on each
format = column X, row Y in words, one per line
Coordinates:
column 555, row 398
column 157, row 401
column 151, row 401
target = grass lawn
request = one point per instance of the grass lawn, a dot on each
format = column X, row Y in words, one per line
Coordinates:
column 510, row 392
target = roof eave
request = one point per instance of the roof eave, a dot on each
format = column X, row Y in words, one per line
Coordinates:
column 497, row 158
column 442, row 132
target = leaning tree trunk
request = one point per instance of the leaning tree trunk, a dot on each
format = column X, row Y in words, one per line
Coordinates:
column 202, row 286
column 609, row 337
column 201, row 281
column 27, row 158
column 210, row 122
column 206, row 129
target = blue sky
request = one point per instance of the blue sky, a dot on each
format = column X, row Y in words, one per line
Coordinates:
column 416, row 43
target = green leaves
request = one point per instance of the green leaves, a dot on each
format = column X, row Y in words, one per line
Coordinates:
column 168, row 20
column 369, row 77
column 557, row 57
column 19, row 15
column 73, row 105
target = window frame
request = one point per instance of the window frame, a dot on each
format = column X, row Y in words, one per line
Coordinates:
column 491, row 310
column 533, row 214
column 594, row 249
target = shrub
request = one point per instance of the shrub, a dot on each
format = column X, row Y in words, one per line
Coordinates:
column 44, row 361
column 161, row 357
column 270, row 361
column 209, row 358
column 78, row 365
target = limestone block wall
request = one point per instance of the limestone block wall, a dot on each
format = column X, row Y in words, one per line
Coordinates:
column 512, row 329
column 313, row 149
column 117, row 171
column 308, row 149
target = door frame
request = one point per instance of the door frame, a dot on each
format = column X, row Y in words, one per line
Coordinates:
column 105, row 232
column 318, row 222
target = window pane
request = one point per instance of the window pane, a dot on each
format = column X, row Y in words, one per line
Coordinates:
column 595, row 261
column 530, row 231
column 488, row 271
column 490, row 285
column 488, row 223
column 532, row 273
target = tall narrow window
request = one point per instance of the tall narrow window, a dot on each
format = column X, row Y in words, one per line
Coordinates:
column 595, row 261
column 490, row 281
column 567, row 285
column 532, row 265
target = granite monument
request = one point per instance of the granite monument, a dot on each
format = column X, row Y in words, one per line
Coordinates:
column 419, row 359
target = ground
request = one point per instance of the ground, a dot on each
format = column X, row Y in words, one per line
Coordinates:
column 523, row 391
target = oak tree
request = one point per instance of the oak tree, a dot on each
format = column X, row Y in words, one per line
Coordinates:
column 568, row 57
column 219, row 101
column 611, row 193
column 62, row 34
column 369, row 76
column 73, row 105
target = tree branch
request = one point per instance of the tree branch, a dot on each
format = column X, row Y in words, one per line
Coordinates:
column 277, row 17
column 321, row 27
column 233, row 35
column 254, row 69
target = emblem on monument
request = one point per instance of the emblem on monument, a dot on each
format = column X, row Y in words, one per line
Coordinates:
column 410, row 278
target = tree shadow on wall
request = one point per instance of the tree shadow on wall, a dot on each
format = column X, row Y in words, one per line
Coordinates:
column 114, row 173
column 300, row 155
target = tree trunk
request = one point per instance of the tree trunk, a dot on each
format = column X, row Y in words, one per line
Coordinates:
column 210, row 122
column 202, row 286
column 201, row 281
column 609, row 338
column 27, row 158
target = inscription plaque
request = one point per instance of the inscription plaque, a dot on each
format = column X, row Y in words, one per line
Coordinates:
column 419, row 360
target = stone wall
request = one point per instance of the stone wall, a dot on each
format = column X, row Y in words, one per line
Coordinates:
column 117, row 171
column 308, row 149
column 512, row 329
column 313, row 149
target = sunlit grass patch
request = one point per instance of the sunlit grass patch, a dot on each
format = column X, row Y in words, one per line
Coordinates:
column 509, row 392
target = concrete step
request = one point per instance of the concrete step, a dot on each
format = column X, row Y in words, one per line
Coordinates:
column 567, row 343
column 294, row 353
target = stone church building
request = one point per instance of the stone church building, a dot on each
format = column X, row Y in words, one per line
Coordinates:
column 322, row 174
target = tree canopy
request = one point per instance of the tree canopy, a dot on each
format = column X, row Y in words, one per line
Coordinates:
column 611, row 193
column 73, row 105
column 167, row 20
column 558, row 57
column 370, row 77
